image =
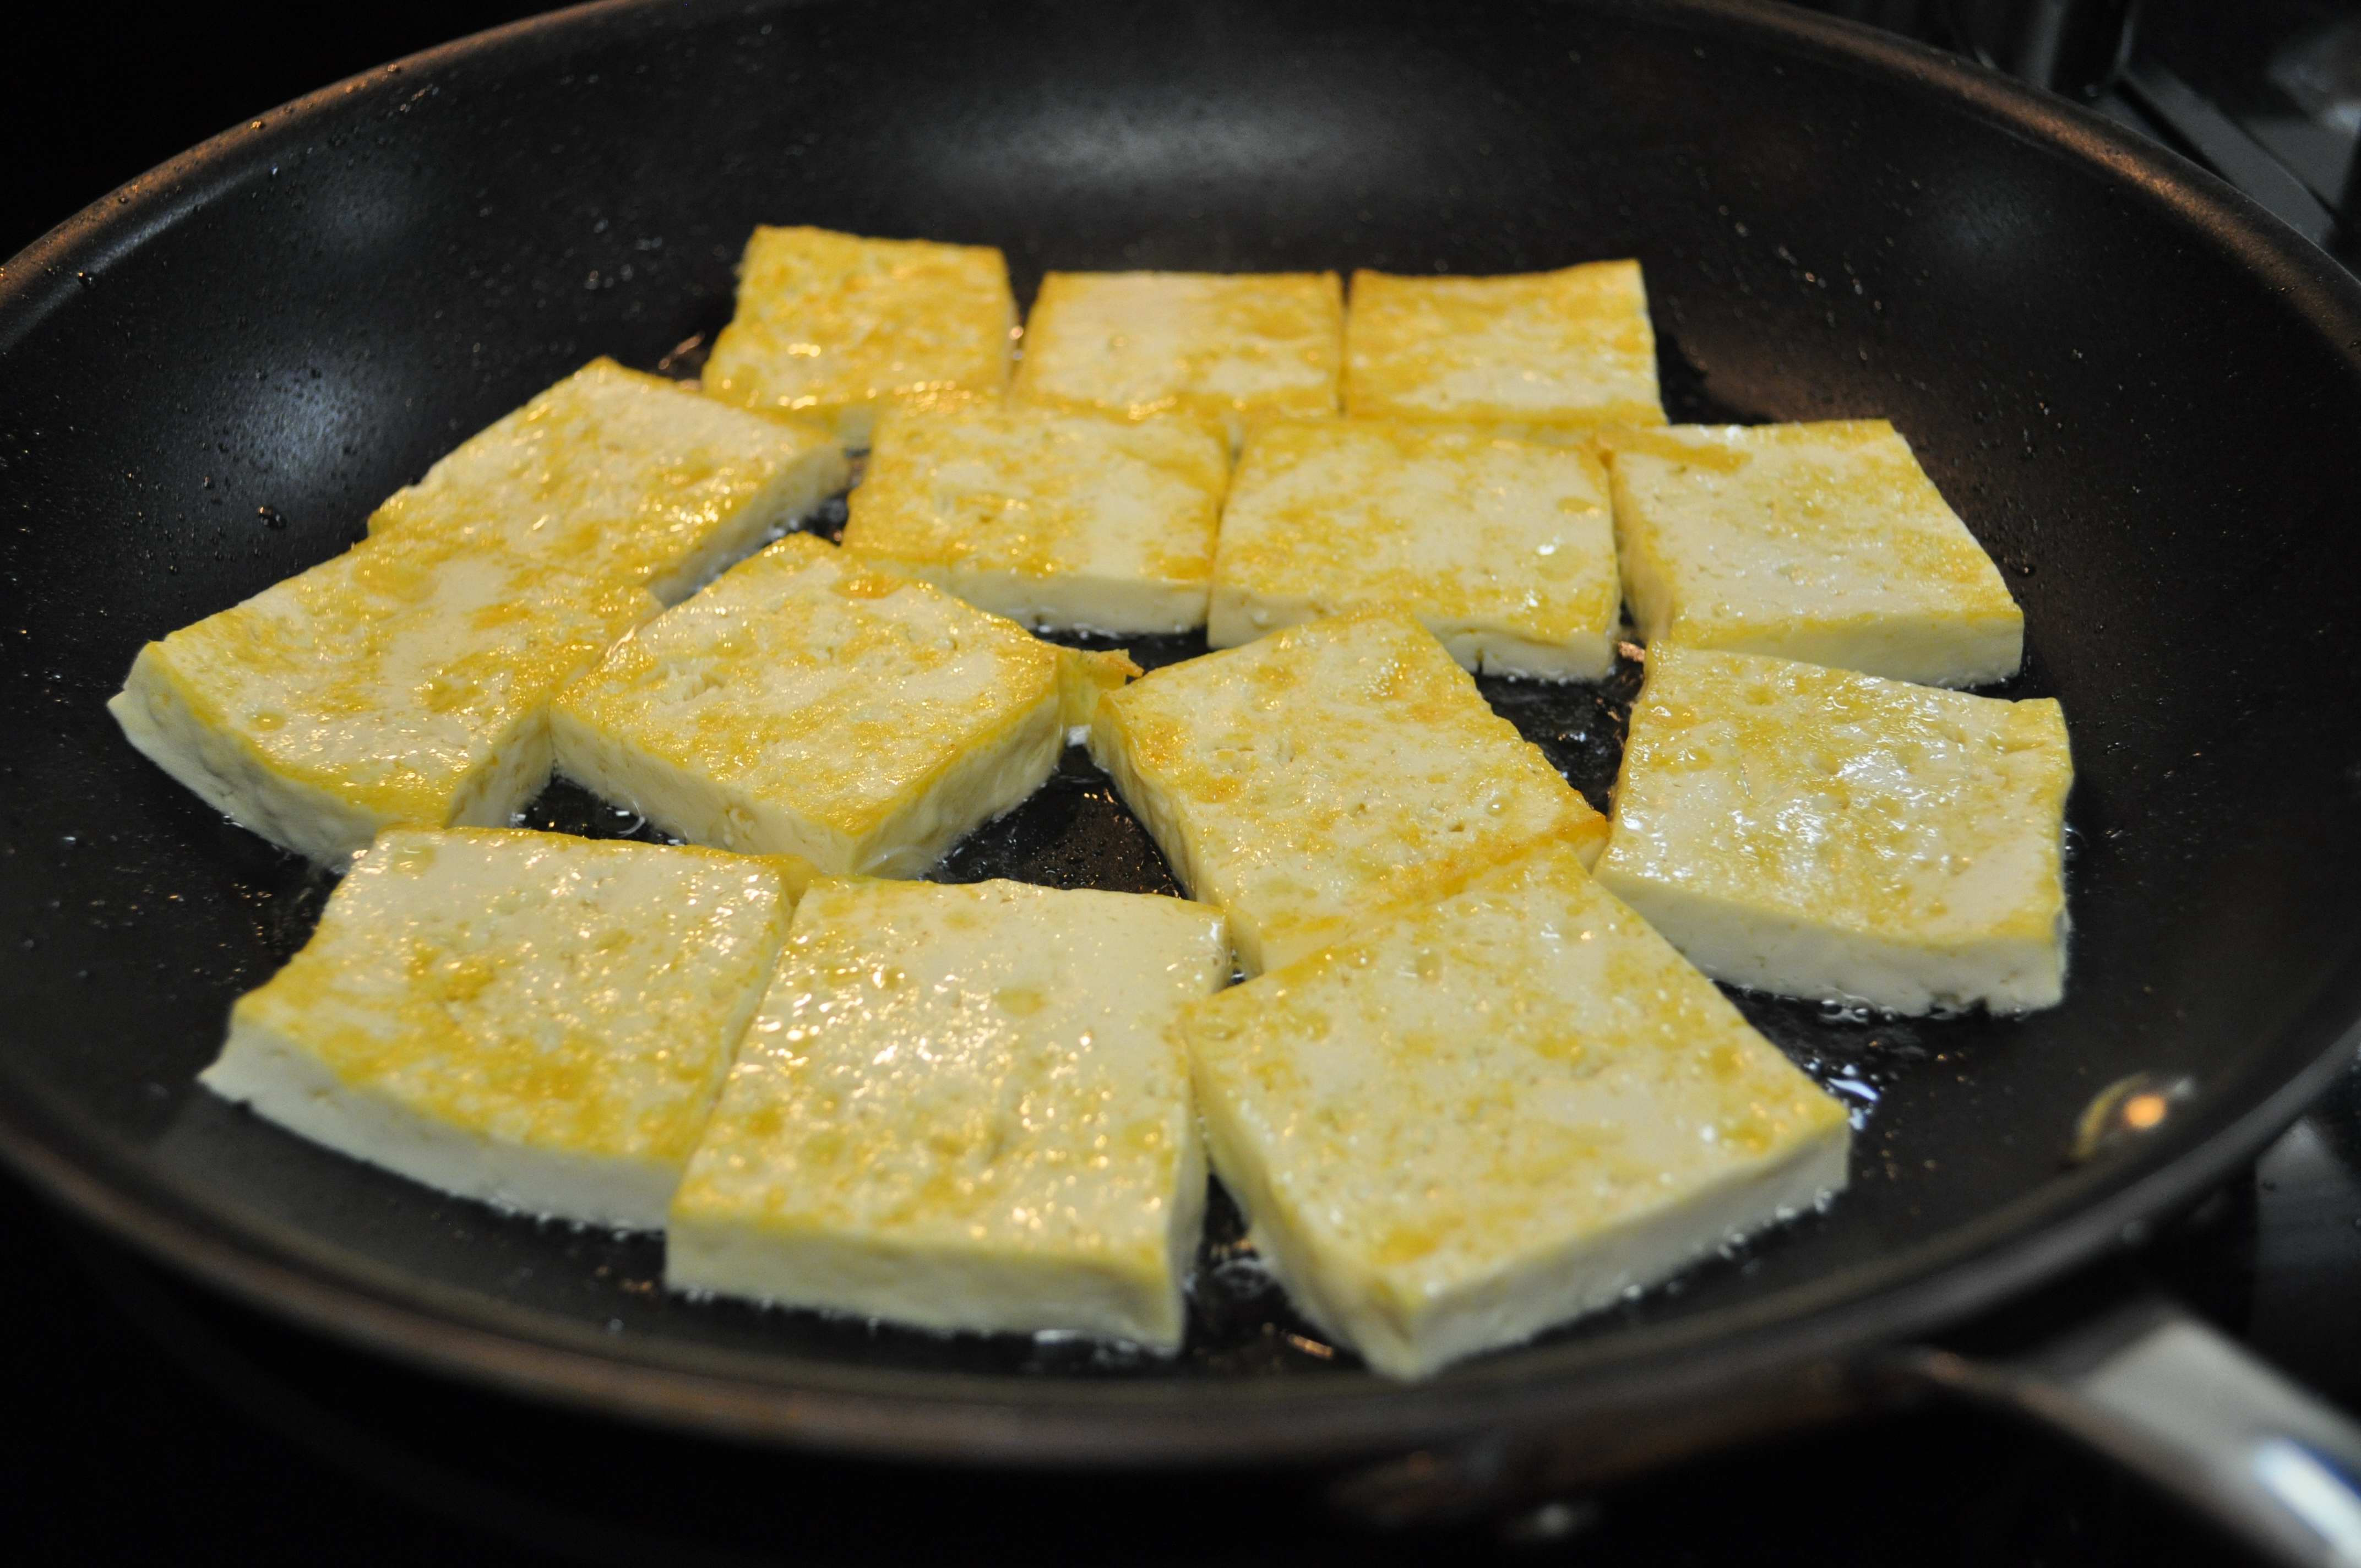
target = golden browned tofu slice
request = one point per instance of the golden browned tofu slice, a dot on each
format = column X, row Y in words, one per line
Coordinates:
column 1824, row 541
column 625, row 477
column 1821, row 833
column 839, row 328
column 1235, row 348
column 1063, row 522
column 1328, row 774
column 405, row 682
column 1456, row 1128
column 812, row 704
column 536, row 1020
column 1553, row 354
column 1501, row 548
column 963, row 1108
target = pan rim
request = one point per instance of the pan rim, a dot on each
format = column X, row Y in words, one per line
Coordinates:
column 1999, row 1255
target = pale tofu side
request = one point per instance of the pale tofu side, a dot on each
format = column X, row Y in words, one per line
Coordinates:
column 405, row 682
column 624, row 476
column 810, row 703
column 1239, row 348
column 538, row 1021
column 1054, row 520
column 1819, row 833
column 1554, row 355
column 963, row 1108
column 1502, row 548
column 839, row 328
column 1327, row 775
column 1821, row 542
column 1453, row 1130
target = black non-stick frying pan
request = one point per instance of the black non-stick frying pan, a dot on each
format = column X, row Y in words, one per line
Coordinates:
column 2143, row 395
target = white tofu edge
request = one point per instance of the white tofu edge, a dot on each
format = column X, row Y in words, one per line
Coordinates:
column 1107, row 607
column 981, row 785
column 1769, row 950
column 1237, row 615
column 285, row 1083
column 792, row 494
column 855, row 424
column 686, row 805
column 991, row 781
column 1928, row 650
column 227, row 774
column 949, row 1288
column 1147, row 804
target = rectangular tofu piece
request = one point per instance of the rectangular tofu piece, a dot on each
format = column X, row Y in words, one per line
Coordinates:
column 1239, row 348
column 811, row 703
column 535, row 1020
column 1823, row 541
column 963, row 1108
column 405, row 682
column 1453, row 1130
column 1504, row 549
column 1553, row 354
column 1818, row 833
column 1055, row 520
column 839, row 328
column 625, row 477
column 1326, row 775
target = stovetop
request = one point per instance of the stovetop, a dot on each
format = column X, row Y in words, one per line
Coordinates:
column 148, row 1419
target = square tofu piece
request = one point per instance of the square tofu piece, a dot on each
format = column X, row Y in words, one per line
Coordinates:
column 963, row 1108
column 1054, row 520
column 1504, row 549
column 1328, row 774
column 1558, row 354
column 1456, row 1129
column 839, row 328
column 626, row 478
column 1237, row 348
column 539, row 1021
column 1814, row 832
column 406, row 682
column 811, row 704
column 1825, row 543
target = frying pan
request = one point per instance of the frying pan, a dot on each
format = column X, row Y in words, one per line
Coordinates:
column 2142, row 393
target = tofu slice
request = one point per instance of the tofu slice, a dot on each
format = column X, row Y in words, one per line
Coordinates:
column 408, row 681
column 1329, row 774
column 1552, row 354
column 1504, row 549
column 1824, row 541
column 1238, row 348
column 1454, row 1129
column 1819, row 833
column 535, row 1020
column 839, row 328
column 405, row 682
column 963, row 1108
column 1054, row 520
column 808, row 703
column 625, row 477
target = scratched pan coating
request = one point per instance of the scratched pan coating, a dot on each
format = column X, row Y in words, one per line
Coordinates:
column 2132, row 385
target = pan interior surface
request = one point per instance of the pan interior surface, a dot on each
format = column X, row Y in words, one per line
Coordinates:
column 2142, row 402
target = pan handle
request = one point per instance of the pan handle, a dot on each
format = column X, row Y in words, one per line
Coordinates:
column 2162, row 1393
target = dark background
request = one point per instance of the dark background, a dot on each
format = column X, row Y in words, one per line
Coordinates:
column 146, row 1419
